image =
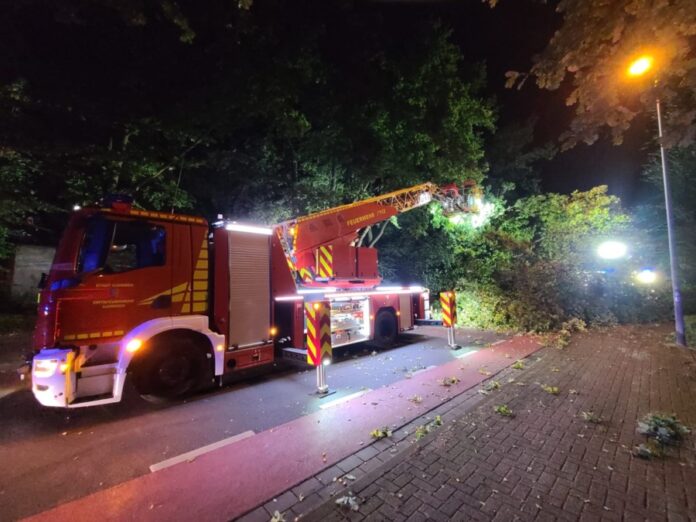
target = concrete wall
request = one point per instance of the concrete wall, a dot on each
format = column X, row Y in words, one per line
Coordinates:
column 29, row 262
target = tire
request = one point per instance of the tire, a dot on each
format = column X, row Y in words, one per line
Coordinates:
column 386, row 329
column 171, row 369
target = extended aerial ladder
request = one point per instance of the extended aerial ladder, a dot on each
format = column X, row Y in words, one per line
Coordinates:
column 311, row 243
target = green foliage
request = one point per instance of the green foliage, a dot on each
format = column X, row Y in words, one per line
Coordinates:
column 512, row 158
column 551, row 390
column 508, row 273
column 661, row 431
column 503, row 410
column 591, row 417
column 13, row 323
column 666, row 429
column 381, row 433
column 690, row 321
column 594, row 46
column 650, row 217
column 260, row 114
column 424, row 429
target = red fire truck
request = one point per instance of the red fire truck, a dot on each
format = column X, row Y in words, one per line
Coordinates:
column 176, row 304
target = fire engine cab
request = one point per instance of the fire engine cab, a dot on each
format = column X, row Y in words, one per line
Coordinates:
column 174, row 304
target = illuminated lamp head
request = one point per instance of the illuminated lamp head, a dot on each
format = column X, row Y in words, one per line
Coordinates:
column 646, row 276
column 134, row 345
column 612, row 250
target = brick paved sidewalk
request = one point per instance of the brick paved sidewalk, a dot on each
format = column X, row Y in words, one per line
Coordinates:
column 546, row 462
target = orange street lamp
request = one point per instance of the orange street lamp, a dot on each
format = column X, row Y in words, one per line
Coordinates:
column 639, row 67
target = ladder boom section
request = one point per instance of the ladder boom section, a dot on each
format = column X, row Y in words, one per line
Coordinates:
column 343, row 222
column 340, row 225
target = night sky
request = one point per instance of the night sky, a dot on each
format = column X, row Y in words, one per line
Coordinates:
column 506, row 38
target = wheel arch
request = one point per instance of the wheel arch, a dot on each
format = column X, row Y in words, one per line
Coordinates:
column 158, row 329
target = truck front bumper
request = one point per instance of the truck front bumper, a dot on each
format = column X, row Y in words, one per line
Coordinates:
column 55, row 383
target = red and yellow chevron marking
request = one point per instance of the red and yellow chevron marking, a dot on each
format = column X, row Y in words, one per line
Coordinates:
column 307, row 274
column 449, row 308
column 318, row 318
column 325, row 261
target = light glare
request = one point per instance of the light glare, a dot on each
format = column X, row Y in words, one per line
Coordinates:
column 646, row 276
column 640, row 65
column 612, row 250
column 134, row 345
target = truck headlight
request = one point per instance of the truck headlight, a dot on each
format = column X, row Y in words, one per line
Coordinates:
column 45, row 367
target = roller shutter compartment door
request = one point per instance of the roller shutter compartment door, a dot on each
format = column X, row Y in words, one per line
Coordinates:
column 406, row 311
column 250, row 292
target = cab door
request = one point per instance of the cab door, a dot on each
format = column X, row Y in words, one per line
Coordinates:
column 125, row 278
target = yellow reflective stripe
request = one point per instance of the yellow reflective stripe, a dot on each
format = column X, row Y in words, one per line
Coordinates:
column 327, row 252
column 200, row 275
column 200, row 307
column 311, row 329
column 326, row 269
column 326, row 329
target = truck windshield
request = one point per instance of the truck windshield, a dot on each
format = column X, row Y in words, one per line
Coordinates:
column 119, row 246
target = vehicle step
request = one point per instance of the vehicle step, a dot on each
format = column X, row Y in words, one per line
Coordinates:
column 295, row 355
column 428, row 322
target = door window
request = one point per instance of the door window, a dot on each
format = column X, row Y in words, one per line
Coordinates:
column 120, row 246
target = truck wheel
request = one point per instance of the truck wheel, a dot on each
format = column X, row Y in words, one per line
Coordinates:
column 170, row 371
column 385, row 329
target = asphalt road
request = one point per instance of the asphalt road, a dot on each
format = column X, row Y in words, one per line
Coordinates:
column 50, row 456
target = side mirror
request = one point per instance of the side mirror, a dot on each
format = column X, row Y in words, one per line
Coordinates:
column 42, row 281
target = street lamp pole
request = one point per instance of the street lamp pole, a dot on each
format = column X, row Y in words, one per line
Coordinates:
column 676, row 293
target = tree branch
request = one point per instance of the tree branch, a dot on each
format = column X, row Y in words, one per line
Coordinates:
column 383, row 227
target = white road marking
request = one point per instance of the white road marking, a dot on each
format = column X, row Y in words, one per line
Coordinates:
column 341, row 400
column 465, row 354
column 190, row 455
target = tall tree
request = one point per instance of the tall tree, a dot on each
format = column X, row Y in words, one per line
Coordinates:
column 265, row 113
column 589, row 55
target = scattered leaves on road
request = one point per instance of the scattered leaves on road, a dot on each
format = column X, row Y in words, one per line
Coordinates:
column 448, row 381
column 661, row 430
column 492, row 385
column 553, row 390
column 416, row 399
column 380, row 433
column 483, row 371
column 590, row 416
column 665, row 429
column 518, row 365
column 503, row 410
column 423, row 430
column 348, row 502
column 648, row 450
column 277, row 517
